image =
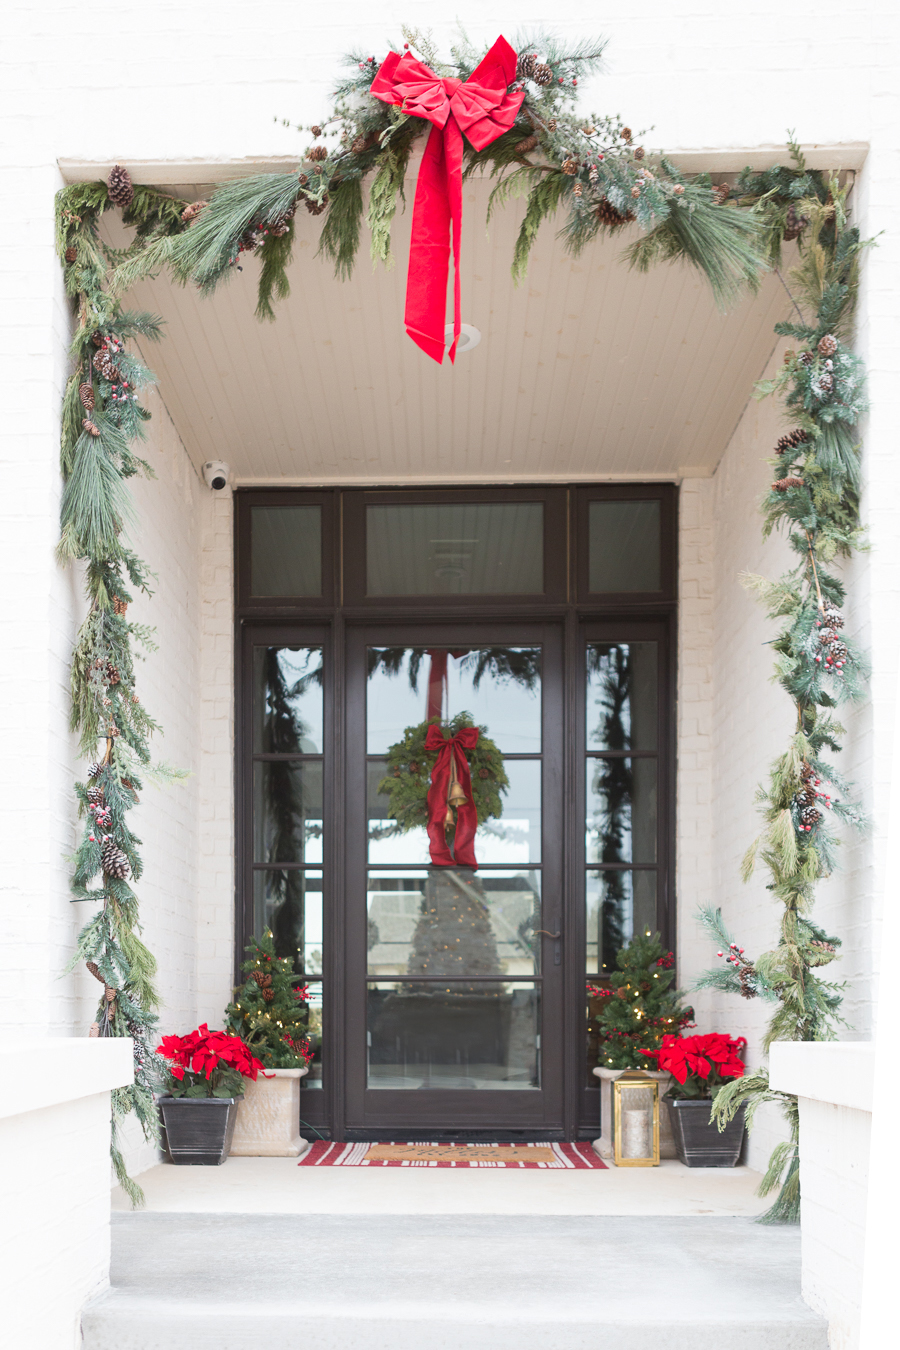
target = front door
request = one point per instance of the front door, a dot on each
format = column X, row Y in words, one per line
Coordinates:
column 453, row 972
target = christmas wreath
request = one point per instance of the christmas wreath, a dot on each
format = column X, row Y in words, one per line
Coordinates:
column 411, row 764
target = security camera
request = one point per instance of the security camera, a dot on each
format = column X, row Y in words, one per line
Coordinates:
column 216, row 472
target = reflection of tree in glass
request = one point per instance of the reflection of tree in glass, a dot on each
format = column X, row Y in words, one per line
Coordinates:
column 613, row 785
column 521, row 665
column 454, row 935
column 285, row 732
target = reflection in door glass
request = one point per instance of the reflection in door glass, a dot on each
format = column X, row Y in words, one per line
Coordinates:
column 500, row 688
column 621, row 710
column 618, row 905
column 289, row 901
column 287, row 700
column 621, row 810
column 462, row 1036
column 444, row 921
column 511, row 839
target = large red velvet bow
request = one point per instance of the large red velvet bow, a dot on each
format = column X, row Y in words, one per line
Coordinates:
column 480, row 107
column 466, row 816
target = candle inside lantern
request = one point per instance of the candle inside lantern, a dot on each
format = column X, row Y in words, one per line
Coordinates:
column 636, row 1133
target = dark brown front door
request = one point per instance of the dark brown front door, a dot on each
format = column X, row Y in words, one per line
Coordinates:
column 454, row 975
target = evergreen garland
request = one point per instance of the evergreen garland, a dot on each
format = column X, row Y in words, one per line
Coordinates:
column 410, row 764
column 815, row 500
column 554, row 157
column 101, row 420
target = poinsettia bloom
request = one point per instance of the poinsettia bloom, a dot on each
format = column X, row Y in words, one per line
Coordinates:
column 682, row 1056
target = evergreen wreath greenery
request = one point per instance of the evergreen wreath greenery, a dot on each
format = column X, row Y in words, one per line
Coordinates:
column 409, row 777
column 640, row 1007
column 815, row 500
column 269, row 1012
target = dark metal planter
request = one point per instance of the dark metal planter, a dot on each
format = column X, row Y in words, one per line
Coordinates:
column 198, row 1130
column 698, row 1142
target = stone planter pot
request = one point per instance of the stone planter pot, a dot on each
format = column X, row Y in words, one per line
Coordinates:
column 604, row 1145
column 697, row 1138
column 268, row 1118
column 198, row 1130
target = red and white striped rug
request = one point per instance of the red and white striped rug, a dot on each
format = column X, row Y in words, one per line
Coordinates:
column 547, row 1156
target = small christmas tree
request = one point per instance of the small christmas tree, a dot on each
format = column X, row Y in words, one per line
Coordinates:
column 640, row 1007
column 269, row 1013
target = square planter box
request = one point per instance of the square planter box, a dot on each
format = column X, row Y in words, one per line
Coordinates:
column 604, row 1145
column 198, row 1129
column 697, row 1138
column 268, row 1117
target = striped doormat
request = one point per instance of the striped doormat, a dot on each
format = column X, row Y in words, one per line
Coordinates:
column 547, row 1156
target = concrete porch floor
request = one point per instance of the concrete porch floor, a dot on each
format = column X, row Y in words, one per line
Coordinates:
column 271, row 1186
column 478, row 1281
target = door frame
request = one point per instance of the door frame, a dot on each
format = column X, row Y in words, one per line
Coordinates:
column 304, row 620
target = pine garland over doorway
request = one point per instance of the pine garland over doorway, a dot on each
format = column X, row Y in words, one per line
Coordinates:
column 558, row 159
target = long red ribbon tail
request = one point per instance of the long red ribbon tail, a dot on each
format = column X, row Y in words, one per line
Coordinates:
column 466, row 816
column 438, row 204
column 437, row 808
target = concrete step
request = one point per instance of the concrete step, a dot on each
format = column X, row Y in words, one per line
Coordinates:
column 447, row 1282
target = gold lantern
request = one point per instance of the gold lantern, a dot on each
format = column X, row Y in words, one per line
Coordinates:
column 635, row 1119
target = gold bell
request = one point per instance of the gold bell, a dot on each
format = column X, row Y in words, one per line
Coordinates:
column 456, row 797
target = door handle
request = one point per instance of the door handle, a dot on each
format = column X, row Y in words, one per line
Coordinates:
column 555, row 937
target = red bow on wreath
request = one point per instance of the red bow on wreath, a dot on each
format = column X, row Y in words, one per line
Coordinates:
column 483, row 109
column 451, row 786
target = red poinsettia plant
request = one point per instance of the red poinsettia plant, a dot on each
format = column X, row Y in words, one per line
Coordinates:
column 207, row 1063
column 699, row 1065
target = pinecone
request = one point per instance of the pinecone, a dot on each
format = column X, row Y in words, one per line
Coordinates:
column 86, row 394
column 837, row 654
column 827, row 636
column 794, row 225
column 110, row 994
column 192, row 211
column 525, row 67
column 413, row 766
column 626, row 134
column 120, row 187
column 484, row 773
column 90, row 427
column 303, row 180
column 528, row 144
column 570, row 166
column 112, row 673
column 805, row 358
column 782, row 484
column 280, row 224
column 71, row 253
column 105, row 366
column 113, row 860
column 791, row 441
column 832, row 616
column 268, row 995
column 807, row 773
column 120, row 606
column 542, row 74
column 95, row 796
column 316, row 131
column 95, row 971
column 809, row 817
column 639, row 152
column 721, row 193
column 94, row 1031
column 827, row 345
column 610, row 217
column 317, row 154
column 316, row 208
column 806, row 797
column 826, row 381
column 95, row 769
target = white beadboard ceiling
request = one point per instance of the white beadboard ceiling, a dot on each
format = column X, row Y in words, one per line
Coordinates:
column 585, row 371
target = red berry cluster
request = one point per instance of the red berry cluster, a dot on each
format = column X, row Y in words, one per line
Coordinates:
column 370, row 60
column 667, row 960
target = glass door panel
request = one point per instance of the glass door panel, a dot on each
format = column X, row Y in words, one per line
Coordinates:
column 455, row 964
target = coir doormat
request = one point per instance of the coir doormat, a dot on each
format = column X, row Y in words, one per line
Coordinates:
column 548, row 1156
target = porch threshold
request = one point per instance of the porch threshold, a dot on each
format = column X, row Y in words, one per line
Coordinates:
column 269, row 1186
column 486, row 1282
